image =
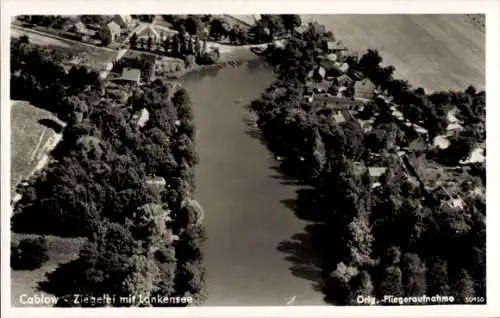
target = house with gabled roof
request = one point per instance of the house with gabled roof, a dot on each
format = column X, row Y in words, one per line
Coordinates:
column 110, row 32
column 124, row 21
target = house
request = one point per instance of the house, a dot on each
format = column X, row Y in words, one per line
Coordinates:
column 344, row 80
column 132, row 75
column 80, row 28
column 421, row 130
column 335, row 47
column 339, row 117
column 124, row 21
column 453, row 128
column 156, row 181
column 319, row 74
column 110, row 32
column 364, row 89
column 441, row 142
column 141, row 117
column 376, row 172
column 344, row 68
column 331, row 57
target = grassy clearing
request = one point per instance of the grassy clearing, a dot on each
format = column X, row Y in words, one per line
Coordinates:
column 432, row 51
column 95, row 58
column 61, row 250
column 28, row 138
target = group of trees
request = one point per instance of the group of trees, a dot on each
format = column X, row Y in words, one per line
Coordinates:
column 37, row 75
column 384, row 240
column 143, row 236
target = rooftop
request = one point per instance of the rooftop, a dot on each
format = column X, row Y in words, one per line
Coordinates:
column 131, row 74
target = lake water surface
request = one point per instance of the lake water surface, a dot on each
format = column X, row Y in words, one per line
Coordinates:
column 242, row 198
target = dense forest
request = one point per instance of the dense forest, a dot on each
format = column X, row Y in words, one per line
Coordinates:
column 127, row 189
column 395, row 238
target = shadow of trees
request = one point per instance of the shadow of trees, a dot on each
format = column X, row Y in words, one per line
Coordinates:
column 301, row 251
column 51, row 124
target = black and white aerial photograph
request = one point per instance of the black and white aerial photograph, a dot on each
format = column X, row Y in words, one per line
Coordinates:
column 178, row 160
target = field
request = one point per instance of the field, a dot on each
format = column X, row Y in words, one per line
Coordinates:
column 432, row 51
column 61, row 250
column 29, row 138
column 93, row 57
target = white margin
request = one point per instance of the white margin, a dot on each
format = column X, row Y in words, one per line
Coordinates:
column 490, row 7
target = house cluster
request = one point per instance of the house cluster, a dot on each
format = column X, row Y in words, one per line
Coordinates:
column 113, row 30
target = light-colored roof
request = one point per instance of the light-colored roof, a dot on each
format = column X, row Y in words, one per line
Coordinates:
column 339, row 117
column 441, row 142
column 420, row 129
column 336, row 45
column 131, row 74
column 476, row 155
column 376, row 171
column 344, row 67
column 113, row 27
column 156, row 181
column 142, row 117
column 454, row 126
column 332, row 57
column 80, row 26
column 343, row 78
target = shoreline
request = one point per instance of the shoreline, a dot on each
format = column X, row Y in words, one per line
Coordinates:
column 225, row 62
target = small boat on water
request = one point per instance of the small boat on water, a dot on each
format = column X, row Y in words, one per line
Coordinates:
column 239, row 100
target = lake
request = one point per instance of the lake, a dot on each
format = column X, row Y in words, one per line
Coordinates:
column 242, row 198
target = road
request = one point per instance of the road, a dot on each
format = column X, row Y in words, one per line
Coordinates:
column 240, row 194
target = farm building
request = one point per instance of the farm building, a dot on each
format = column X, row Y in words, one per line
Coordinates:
column 110, row 32
column 156, row 181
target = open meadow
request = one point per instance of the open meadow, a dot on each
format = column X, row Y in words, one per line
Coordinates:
column 29, row 137
column 93, row 57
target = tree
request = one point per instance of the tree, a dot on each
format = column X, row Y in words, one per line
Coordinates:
column 437, row 278
column 391, row 283
column 217, row 29
column 464, row 287
column 30, row 254
column 150, row 43
column 291, row 21
column 414, row 275
column 194, row 25
column 133, row 40
column 362, row 285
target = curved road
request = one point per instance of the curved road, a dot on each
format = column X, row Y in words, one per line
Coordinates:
column 244, row 217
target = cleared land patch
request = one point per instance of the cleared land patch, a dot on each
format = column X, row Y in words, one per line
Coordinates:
column 29, row 138
column 60, row 251
column 94, row 58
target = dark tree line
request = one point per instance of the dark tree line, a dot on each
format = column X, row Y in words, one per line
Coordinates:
column 143, row 238
column 385, row 240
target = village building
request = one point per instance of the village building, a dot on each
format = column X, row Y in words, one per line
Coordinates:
column 156, row 181
column 477, row 155
column 336, row 47
column 344, row 80
column 80, row 28
column 110, row 32
column 364, row 89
